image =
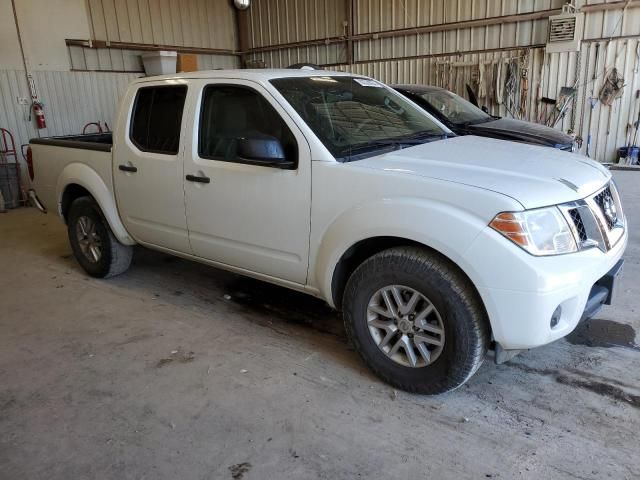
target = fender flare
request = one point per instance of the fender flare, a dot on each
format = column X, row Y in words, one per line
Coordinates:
column 86, row 177
column 453, row 234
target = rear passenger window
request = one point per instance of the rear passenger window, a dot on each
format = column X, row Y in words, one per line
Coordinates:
column 156, row 119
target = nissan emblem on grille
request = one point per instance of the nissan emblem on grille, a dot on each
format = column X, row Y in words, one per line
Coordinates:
column 609, row 209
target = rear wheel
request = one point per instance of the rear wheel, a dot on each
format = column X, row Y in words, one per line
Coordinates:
column 94, row 246
column 416, row 320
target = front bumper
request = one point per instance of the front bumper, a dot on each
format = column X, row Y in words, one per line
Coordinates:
column 521, row 292
column 603, row 291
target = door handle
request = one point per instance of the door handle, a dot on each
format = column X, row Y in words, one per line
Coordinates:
column 128, row 168
column 194, row 178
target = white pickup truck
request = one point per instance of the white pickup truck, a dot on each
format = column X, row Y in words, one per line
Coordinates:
column 436, row 248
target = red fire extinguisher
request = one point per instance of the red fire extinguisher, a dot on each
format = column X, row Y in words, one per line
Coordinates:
column 38, row 112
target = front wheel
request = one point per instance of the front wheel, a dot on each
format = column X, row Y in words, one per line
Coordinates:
column 416, row 320
column 94, row 246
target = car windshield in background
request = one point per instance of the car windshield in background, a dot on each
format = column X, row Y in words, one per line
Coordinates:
column 357, row 117
column 456, row 109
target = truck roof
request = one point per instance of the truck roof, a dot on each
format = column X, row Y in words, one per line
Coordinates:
column 247, row 74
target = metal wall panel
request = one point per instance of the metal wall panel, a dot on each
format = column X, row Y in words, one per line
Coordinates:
column 71, row 100
column 407, row 14
column 379, row 15
column 285, row 21
column 609, row 125
column 216, row 62
column 187, row 23
column 130, row 61
column 470, row 39
column 318, row 54
column 611, row 22
column 14, row 117
column 82, row 58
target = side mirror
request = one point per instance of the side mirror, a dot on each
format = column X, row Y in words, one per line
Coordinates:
column 485, row 109
column 263, row 150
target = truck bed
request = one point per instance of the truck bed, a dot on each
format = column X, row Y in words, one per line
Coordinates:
column 73, row 157
column 93, row 141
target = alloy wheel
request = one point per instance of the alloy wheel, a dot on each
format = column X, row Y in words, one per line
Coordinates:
column 89, row 239
column 405, row 326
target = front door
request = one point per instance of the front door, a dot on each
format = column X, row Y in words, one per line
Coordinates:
column 249, row 216
column 148, row 167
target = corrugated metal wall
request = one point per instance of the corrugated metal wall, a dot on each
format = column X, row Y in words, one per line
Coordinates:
column 608, row 124
column 453, row 62
column 181, row 23
column 395, row 14
column 82, row 58
column 71, row 99
column 286, row 21
column 210, row 23
column 96, row 59
column 274, row 22
column 319, row 54
column 187, row 23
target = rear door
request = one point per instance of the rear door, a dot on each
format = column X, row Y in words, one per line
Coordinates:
column 256, row 218
column 148, row 165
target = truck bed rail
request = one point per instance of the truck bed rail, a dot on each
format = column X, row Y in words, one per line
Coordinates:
column 95, row 141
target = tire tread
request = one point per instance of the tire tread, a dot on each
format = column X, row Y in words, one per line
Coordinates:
column 120, row 255
column 415, row 261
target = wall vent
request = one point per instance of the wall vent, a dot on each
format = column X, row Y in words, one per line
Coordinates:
column 562, row 29
column 565, row 32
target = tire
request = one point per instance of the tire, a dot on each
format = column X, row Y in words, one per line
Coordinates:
column 456, row 319
column 108, row 257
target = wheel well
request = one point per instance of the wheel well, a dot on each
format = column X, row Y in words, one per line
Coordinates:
column 355, row 255
column 359, row 252
column 71, row 192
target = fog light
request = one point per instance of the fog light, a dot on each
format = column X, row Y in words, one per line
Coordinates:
column 555, row 318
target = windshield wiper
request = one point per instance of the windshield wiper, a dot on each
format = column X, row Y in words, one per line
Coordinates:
column 475, row 122
column 395, row 143
column 378, row 144
column 425, row 135
column 406, row 140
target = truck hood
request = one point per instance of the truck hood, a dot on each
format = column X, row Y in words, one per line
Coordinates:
column 518, row 130
column 534, row 176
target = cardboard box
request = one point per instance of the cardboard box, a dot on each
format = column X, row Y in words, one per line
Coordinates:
column 187, row 62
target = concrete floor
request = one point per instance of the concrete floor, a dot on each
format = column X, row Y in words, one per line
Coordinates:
column 179, row 371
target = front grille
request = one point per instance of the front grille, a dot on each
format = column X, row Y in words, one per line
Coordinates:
column 579, row 224
column 604, row 200
column 596, row 221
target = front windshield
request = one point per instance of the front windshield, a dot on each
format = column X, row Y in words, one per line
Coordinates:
column 456, row 109
column 357, row 117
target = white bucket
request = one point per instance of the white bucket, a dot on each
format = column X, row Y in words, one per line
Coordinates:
column 159, row 63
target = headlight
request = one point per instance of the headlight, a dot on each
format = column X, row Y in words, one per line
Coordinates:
column 543, row 231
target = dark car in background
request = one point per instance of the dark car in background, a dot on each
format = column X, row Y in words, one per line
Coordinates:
column 464, row 118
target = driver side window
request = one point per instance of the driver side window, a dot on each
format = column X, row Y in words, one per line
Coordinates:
column 231, row 112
